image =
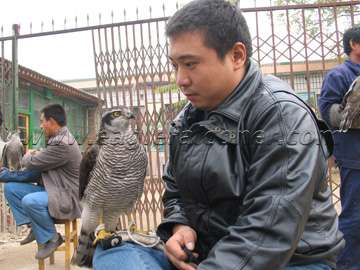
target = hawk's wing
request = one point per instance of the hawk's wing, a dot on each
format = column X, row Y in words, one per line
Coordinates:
column 87, row 164
column 3, row 156
column 2, row 149
column 13, row 152
column 351, row 105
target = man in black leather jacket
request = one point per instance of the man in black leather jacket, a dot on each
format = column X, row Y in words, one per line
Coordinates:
column 245, row 183
column 257, row 202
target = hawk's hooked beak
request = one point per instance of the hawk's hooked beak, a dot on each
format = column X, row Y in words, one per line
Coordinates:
column 130, row 115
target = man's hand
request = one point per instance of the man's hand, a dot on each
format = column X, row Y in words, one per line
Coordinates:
column 31, row 151
column 183, row 237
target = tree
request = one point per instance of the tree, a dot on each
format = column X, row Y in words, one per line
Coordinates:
column 172, row 88
column 311, row 16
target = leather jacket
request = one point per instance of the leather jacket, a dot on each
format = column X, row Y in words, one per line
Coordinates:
column 250, row 178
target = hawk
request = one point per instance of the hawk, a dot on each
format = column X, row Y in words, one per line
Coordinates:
column 111, row 179
column 12, row 152
column 350, row 115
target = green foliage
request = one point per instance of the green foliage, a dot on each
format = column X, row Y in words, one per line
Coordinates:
column 312, row 102
column 311, row 16
column 179, row 105
column 172, row 87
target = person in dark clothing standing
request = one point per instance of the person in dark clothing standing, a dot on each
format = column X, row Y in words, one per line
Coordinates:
column 347, row 147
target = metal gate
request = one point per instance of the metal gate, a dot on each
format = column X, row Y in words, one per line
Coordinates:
column 297, row 43
column 6, row 103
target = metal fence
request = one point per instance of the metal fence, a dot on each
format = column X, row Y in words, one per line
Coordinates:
column 6, row 83
column 297, row 43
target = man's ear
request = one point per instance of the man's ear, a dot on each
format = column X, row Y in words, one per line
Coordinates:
column 239, row 55
column 353, row 44
column 52, row 121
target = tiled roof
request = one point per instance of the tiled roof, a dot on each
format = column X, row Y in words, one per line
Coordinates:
column 59, row 89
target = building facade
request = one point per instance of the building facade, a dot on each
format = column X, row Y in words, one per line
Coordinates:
column 35, row 92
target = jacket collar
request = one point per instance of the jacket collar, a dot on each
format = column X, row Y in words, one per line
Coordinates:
column 234, row 104
column 63, row 131
column 353, row 66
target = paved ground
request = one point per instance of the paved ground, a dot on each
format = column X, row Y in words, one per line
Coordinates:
column 16, row 257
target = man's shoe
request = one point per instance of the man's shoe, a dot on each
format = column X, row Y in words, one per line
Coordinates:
column 49, row 248
column 28, row 239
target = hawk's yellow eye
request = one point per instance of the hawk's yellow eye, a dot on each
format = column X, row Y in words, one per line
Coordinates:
column 116, row 114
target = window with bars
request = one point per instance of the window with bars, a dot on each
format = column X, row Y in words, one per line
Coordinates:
column 24, row 129
column 24, row 99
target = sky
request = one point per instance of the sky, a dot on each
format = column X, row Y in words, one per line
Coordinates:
column 70, row 56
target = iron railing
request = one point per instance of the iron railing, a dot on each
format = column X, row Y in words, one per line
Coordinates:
column 297, row 43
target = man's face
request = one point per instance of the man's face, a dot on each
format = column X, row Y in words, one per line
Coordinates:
column 202, row 77
column 355, row 51
column 46, row 125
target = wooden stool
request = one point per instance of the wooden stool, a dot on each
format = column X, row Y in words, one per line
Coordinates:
column 68, row 236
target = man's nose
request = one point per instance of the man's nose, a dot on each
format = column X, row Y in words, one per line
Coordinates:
column 182, row 78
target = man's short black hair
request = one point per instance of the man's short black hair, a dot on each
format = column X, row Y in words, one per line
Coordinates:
column 55, row 111
column 221, row 23
column 353, row 34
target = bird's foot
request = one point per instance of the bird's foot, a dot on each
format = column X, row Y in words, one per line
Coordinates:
column 106, row 239
column 112, row 241
column 101, row 233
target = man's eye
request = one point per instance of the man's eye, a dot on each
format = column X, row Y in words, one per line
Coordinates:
column 190, row 64
column 174, row 66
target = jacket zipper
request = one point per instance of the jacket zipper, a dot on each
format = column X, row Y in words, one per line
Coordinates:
column 202, row 174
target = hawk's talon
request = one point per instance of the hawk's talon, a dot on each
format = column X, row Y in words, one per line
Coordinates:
column 101, row 234
column 110, row 242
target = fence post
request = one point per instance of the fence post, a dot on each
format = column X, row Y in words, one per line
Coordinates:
column 15, row 75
